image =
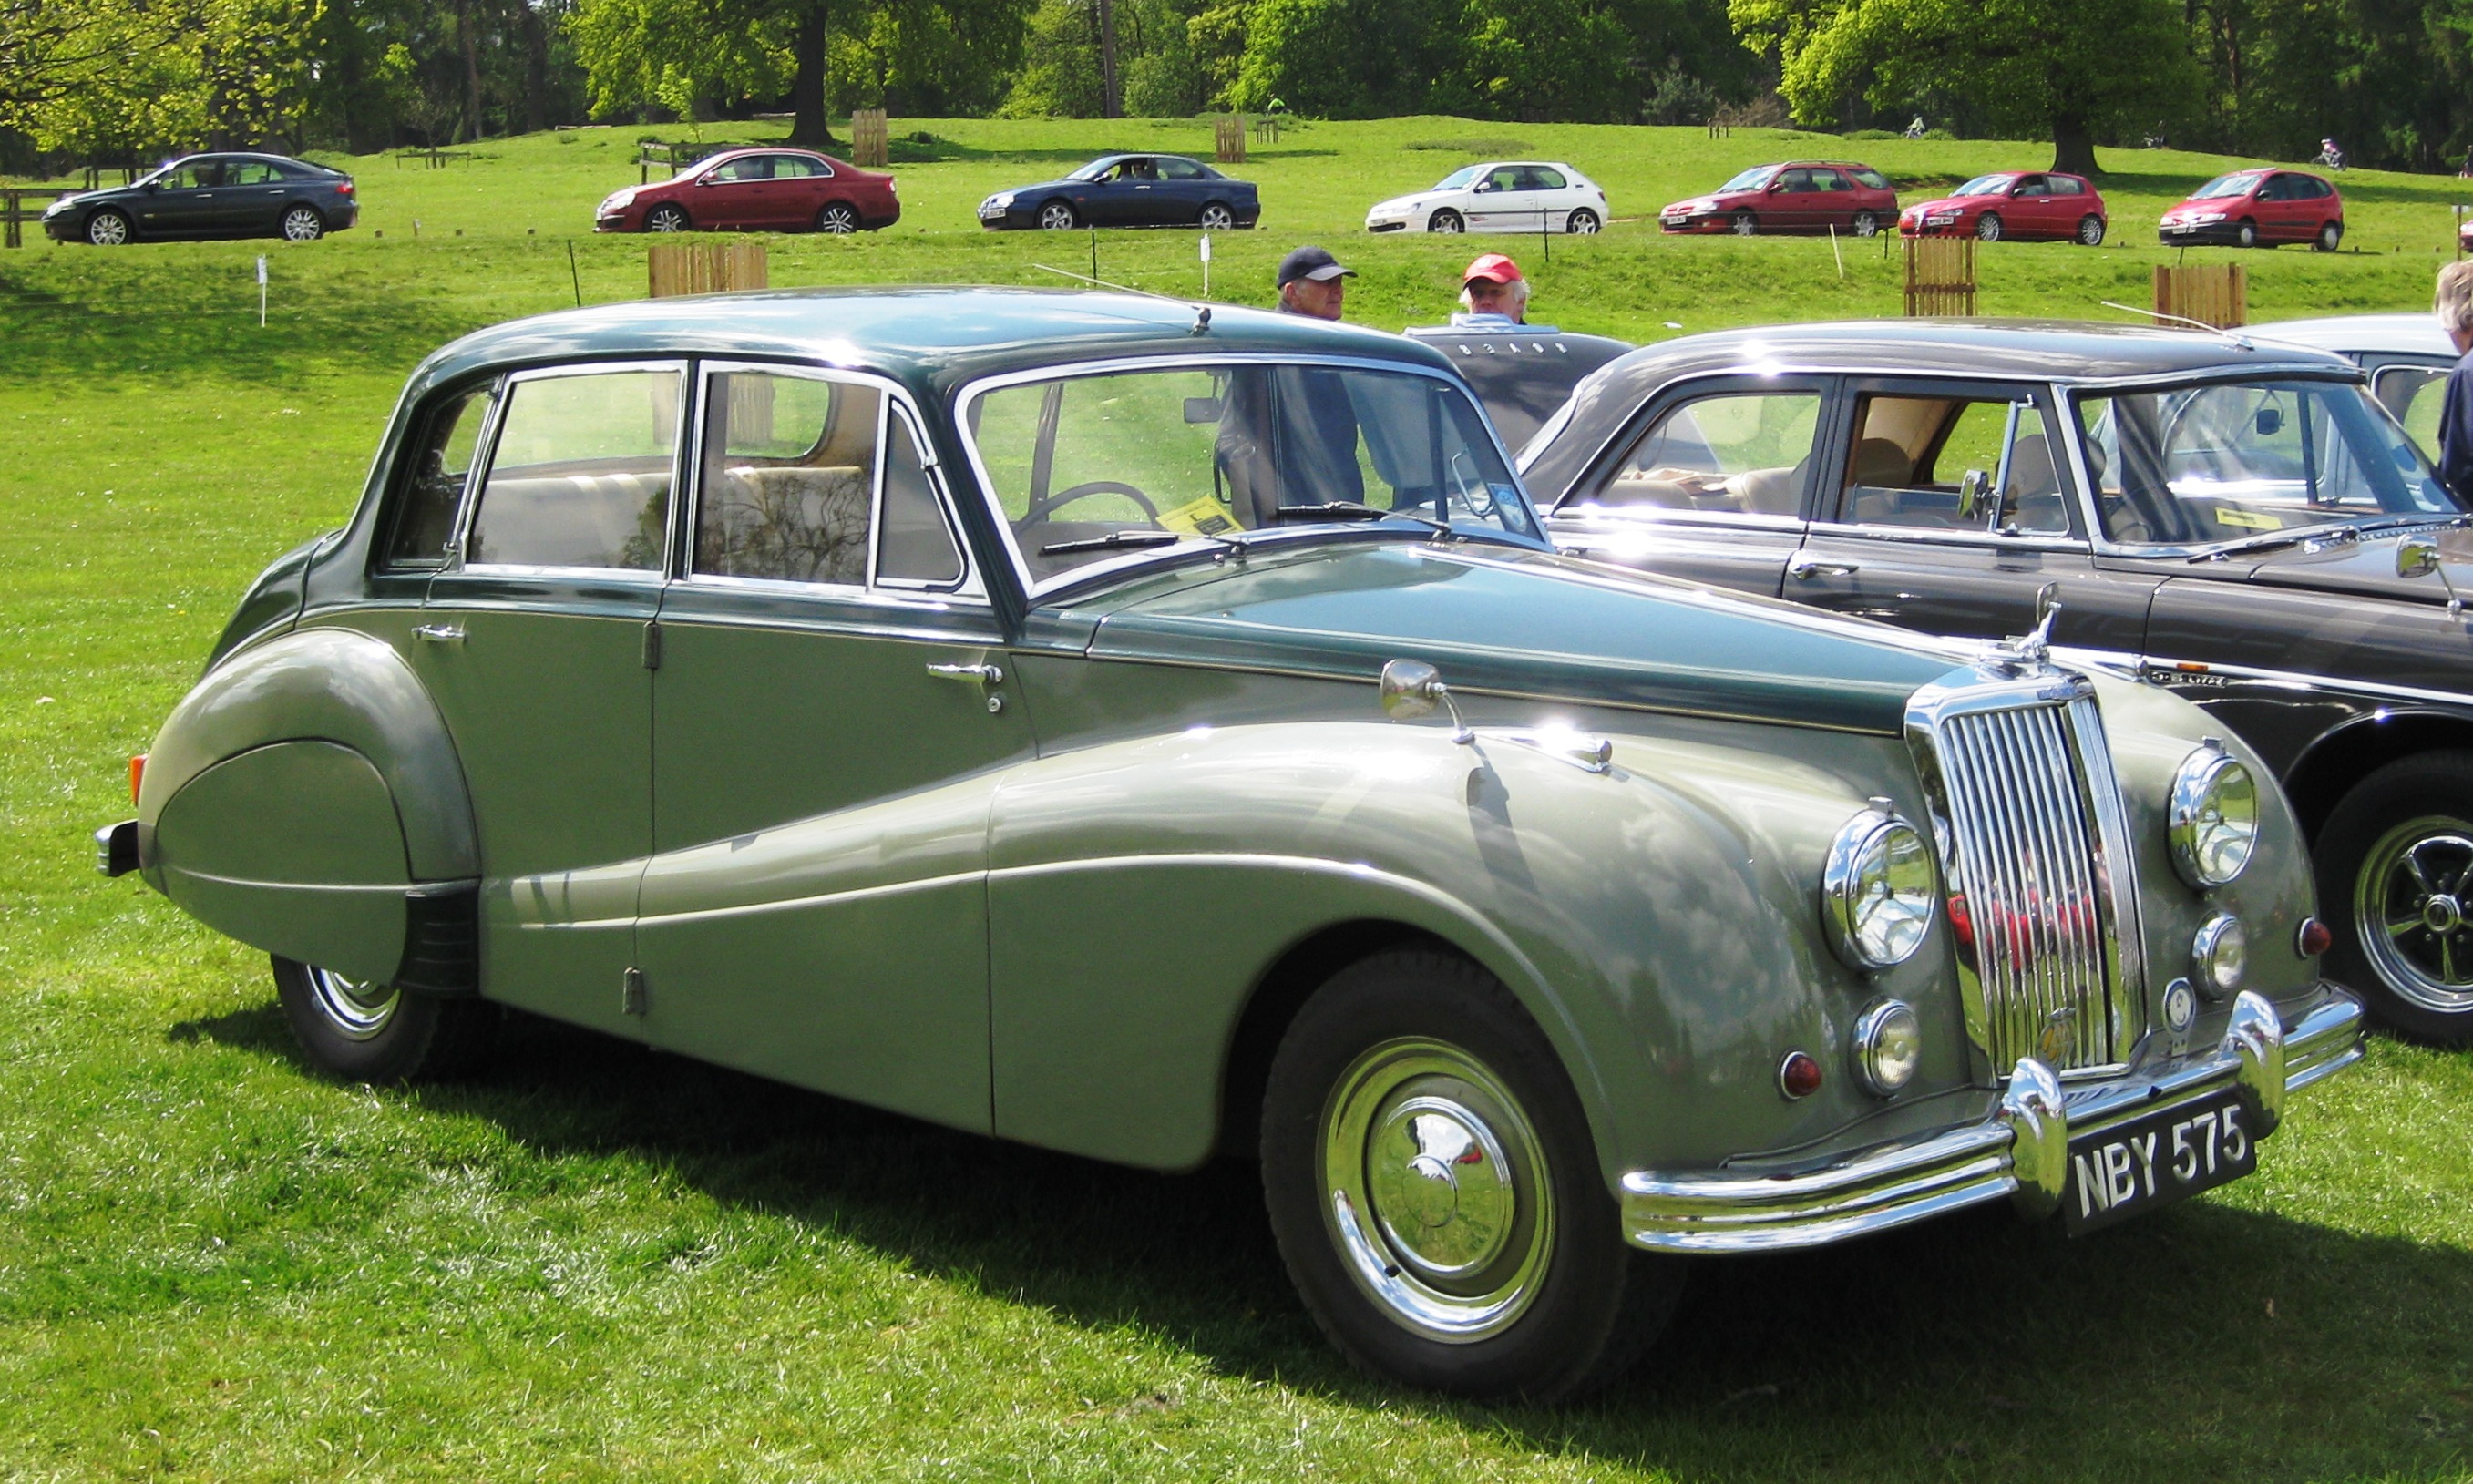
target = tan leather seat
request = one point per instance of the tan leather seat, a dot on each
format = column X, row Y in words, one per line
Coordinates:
column 609, row 519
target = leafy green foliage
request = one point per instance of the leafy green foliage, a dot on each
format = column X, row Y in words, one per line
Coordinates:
column 115, row 76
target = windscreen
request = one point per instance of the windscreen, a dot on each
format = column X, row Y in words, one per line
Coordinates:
column 1748, row 178
column 2228, row 461
column 1458, row 178
column 1984, row 185
column 1089, row 467
column 2227, row 185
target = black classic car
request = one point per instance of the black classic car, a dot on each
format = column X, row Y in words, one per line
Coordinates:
column 211, row 195
column 2233, row 518
column 1129, row 190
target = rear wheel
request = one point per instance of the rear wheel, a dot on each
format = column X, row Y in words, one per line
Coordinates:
column 1744, row 223
column 1435, row 1194
column 1446, row 221
column 1867, row 224
column 2395, row 875
column 108, row 228
column 1057, row 216
column 665, row 219
column 2090, row 230
column 2330, row 236
column 1987, row 226
column 838, row 218
column 1216, row 217
column 304, row 224
column 2245, row 234
column 1582, row 221
column 366, row 1032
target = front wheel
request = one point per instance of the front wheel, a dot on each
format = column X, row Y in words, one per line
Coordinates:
column 304, row 224
column 1987, row 228
column 1216, row 217
column 838, row 218
column 1867, row 224
column 2395, row 877
column 2329, row 237
column 2245, row 234
column 1435, row 1194
column 2090, row 230
column 1447, row 222
column 665, row 219
column 365, row 1032
column 1744, row 223
column 1582, row 221
column 1057, row 216
column 107, row 229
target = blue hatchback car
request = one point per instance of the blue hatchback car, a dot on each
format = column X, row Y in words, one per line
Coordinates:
column 228, row 195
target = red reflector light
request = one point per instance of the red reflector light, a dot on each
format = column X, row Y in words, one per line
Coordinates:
column 136, row 776
column 1798, row 1075
column 2313, row 939
column 345, row 189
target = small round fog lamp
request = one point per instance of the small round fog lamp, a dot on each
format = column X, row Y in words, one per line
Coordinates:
column 1889, row 1046
column 2219, row 955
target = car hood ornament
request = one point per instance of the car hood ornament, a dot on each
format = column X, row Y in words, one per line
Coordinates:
column 2032, row 650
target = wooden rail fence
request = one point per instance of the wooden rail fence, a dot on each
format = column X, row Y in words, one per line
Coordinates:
column 1940, row 276
column 675, row 268
column 13, row 212
column 2216, row 294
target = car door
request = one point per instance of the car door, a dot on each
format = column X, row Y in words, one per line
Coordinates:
column 533, row 643
column 1710, row 483
column 831, row 703
column 731, row 196
column 2029, row 208
column 1792, row 202
column 801, row 185
column 1949, row 506
column 2283, row 203
column 1551, row 196
column 255, row 193
column 1184, row 189
column 1498, row 202
column 185, row 203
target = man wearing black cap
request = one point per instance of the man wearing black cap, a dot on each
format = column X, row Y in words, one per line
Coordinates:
column 1310, row 283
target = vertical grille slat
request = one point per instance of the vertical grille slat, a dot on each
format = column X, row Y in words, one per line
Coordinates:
column 2028, row 859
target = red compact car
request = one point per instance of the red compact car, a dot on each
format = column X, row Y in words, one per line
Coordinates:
column 1800, row 196
column 756, row 190
column 2028, row 207
column 2259, row 208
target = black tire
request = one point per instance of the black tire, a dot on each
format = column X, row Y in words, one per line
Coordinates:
column 2090, row 230
column 302, row 223
column 666, row 218
column 370, row 1033
column 838, row 217
column 1867, row 224
column 1057, row 216
column 1987, row 226
column 1743, row 225
column 2418, row 981
column 2245, row 236
column 2331, row 236
column 1551, row 1302
column 1447, row 222
column 1582, row 222
column 1216, row 217
column 109, row 228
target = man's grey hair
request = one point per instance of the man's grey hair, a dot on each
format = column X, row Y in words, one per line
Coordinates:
column 1519, row 288
column 2453, row 303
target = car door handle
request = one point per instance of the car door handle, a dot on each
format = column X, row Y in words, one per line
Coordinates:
column 1804, row 564
column 984, row 673
column 439, row 634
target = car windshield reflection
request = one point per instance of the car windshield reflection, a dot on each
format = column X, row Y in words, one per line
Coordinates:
column 2233, row 462
column 1091, row 469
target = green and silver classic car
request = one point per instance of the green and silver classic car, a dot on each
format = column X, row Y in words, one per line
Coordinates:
column 1151, row 733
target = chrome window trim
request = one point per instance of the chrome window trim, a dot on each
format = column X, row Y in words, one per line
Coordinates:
column 1927, row 535
column 389, row 505
column 969, row 395
column 478, row 482
column 2045, row 398
column 1620, row 518
column 1682, row 392
column 966, row 588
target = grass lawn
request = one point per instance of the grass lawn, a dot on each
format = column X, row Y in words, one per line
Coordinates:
column 595, row 1263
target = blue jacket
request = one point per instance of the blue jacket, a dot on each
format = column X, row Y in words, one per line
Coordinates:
column 2455, row 432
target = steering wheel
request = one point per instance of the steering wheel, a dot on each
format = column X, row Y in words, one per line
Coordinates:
column 1041, row 508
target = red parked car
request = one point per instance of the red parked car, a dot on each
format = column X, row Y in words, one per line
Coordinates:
column 2021, row 206
column 2259, row 208
column 756, row 190
column 1800, row 196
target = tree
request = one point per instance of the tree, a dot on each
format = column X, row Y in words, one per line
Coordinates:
column 2065, row 67
column 98, row 77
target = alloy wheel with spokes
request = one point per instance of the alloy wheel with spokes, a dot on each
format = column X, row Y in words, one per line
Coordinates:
column 665, row 219
column 1445, row 222
column 1582, row 222
column 1056, row 216
column 1987, row 228
column 1867, row 224
column 1744, row 223
column 107, row 230
column 2090, row 230
column 838, row 219
column 1218, row 218
column 2412, row 906
column 304, row 224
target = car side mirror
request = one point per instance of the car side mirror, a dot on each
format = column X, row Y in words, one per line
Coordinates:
column 1776, row 186
column 2416, row 556
column 1201, row 409
column 1412, row 688
column 1972, row 486
column 1481, row 187
column 2269, row 421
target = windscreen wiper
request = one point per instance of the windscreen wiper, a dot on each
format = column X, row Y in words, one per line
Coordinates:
column 2268, row 541
column 1351, row 510
column 1115, row 540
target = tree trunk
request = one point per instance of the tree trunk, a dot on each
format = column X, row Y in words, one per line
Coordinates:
column 472, row 69
column 535, row 70
column 1111, row 98
column 810, row 127
column 2073, row 144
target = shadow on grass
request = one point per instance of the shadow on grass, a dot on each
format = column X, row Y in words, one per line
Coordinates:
column 2202, row 1342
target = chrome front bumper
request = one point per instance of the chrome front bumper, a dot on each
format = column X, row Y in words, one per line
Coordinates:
column 2022, row 1151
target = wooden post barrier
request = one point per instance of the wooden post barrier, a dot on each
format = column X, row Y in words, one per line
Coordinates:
column 2216, row 294
column 1228, row 138
column 15, row 213
column 869, row 146
column 675, row 268
column 1267, row 128
column 1940, row 276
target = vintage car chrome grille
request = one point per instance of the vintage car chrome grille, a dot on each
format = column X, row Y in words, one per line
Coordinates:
column 2030, row 825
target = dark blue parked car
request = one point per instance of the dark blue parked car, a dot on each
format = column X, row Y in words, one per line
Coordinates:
column 233, row 195
column 1129, row 190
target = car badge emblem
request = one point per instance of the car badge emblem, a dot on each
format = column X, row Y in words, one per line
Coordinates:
column 2059, row 1033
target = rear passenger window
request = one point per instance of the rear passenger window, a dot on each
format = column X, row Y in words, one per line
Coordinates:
column 2066, row 185
column 581, row 474
column 1733, row 455
column 1953, row 464
column 439, row 465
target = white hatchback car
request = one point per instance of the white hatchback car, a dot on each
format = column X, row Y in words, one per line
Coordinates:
column 1501, row 196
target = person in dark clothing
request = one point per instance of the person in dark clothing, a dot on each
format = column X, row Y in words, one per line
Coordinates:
column 2452, row 305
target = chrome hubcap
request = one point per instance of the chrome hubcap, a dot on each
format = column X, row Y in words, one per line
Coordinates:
column 107, row 231
column 2409, row 910
column 1438, row 1198
column 301, row 227
column 358, row 1008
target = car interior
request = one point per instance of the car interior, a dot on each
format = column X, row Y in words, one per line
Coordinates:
column 1933, row 461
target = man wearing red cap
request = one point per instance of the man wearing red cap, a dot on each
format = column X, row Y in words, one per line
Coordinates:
column 1491, row 291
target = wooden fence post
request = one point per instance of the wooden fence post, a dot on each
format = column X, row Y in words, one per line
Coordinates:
column 17, row 237
column 869, row 145
column 2216, row 294
column 1228, row 137
column 1940, row 276
column 675, row 268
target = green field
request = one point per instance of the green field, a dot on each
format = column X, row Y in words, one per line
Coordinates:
column 594, row 1262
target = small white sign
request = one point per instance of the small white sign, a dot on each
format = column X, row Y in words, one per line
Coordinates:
column 261, row 270
column 1206, row 248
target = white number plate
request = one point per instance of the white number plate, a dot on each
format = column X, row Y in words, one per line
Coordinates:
column 2132, row 1168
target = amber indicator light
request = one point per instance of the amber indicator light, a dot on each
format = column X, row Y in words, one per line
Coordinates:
column 136, row 776
column 1799, row 1075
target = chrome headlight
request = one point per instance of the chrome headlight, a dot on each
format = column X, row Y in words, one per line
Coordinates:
column 2219, row 955
column 1889, row 1045
column 1877, row 890
column 2214, row 818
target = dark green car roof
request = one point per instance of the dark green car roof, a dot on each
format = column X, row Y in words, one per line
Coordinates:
column 931, row 338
